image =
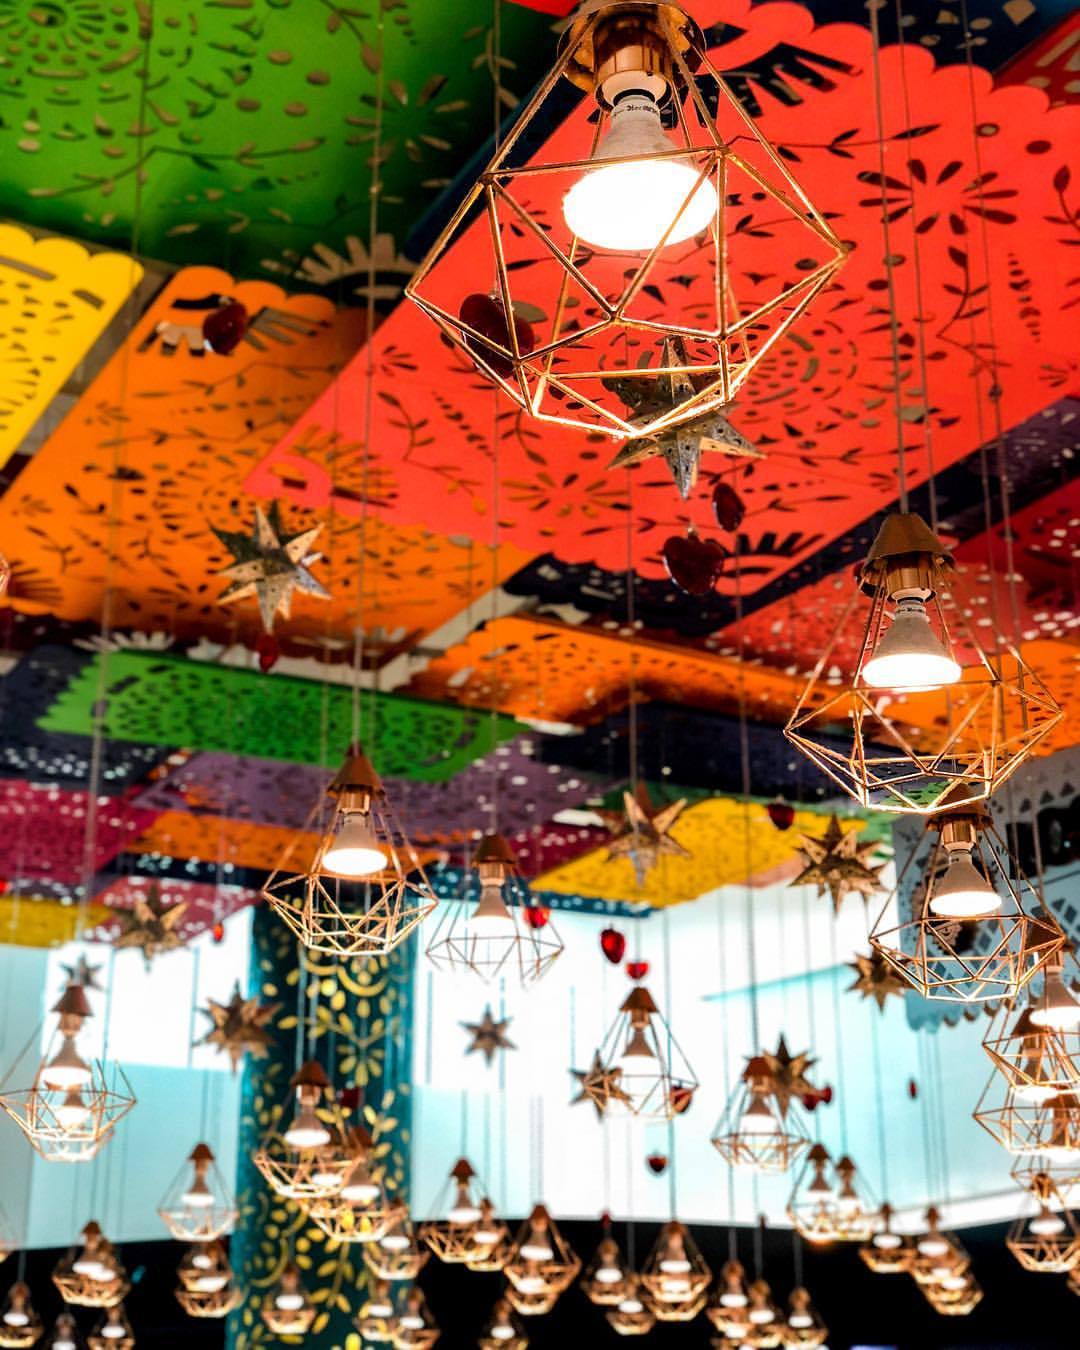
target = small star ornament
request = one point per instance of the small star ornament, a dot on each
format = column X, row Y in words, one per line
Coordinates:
column 239, row 1027
column 682, row 447
column 151, row 926
column 837, row 864
column 876, row 979
column 83, row 973
column 271, row 565
column 642, row 833
column 488, row 1036
column 788, row 1073
column 599, row 1085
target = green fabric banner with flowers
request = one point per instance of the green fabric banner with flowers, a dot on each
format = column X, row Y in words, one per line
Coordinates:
column 355, row 1018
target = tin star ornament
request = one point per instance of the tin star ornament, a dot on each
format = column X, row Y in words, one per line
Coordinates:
column 875, row 978
column 271, row 565
column 682, row 446
column 789, row 1074
column 239, row 1027
column 837, row 864
column 488, row 1036
column 83, row 973
column 151, row 926
column 600, row 1086
column 642, row 833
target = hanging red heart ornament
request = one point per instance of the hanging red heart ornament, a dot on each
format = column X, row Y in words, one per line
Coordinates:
column 657, row 1163
column 486, row 316
column 613, row 945
column 536, row 916
column 268, row 651
column 223, row 328
column 781, row 813
column 693, row 563
column 728, row 507
column 637, row 970
column 349, row 1098
column 912, row 1089
column 218, row 931
column 680, row 1099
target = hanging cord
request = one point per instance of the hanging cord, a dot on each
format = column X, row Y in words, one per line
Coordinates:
column 837, row 1020
column 943, row 1132
column 879, row 1102
column 668, row 987
column 744, row 761
column 924, row 1120
column 797, row 1257
column 631, row 1259
column 894, row 327
column 759, row 1235
column 495, row 677
column 721, row 961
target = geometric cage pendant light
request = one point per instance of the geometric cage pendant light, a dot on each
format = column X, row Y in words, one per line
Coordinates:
column 70, row 1111
column 658, row 172
column 198, row 1206
column 365, row 890
column 923, row 716
column 979, row 929
column 640, row 1065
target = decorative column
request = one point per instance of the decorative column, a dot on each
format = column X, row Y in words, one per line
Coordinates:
column 358, row 1021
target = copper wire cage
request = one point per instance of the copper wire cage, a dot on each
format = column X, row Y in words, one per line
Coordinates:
column 641, row 1056
column 113, row 1332
column 937, row 1257
column 759, row 1130
column 375, row 1321
column 567, row 323
column 452, row 1235
column 307, row 1167
column 953, row 958
column 1049, row 1130
column 531, row 1305
column 913, row 748
column 606, row 1279
column 492, row 1243
column 198, row 1206
column 803, row 1324
column 826, row 1205
column 210, row 1306
column 414, row 1328
column 675, row 1277
column 542, row 1262
column 1049, row 1241
column 502, row 934
column 286, row 1308
column 360, row 1211
column 632, row 1316
column 1037, row 1062
column 20, row 1326
column 206, row 1286
column 369, row 905
column 727, row 1310
column 91, row 1275
column 765, row 1323
column 886, row 1252
column 396, row 1254
column 958, row 1296
column 502, row 1331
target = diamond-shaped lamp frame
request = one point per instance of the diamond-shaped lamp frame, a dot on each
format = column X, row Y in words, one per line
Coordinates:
column 908, row 750
column 1055, row 1252
column 991, row 956
column 657, row 1084
column 342, row 916
column 602, row 321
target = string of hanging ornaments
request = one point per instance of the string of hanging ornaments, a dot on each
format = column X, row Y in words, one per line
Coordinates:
column 979, row 929
column 71, row 1109
column 503, row 934
column 655, row 162
column 365, row 889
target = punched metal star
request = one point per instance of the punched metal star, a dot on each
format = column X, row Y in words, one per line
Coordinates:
column 151, row 926
column 270, row 565
column 83, row 973
column 642, row 833
column 837, row 864
column 599, row 1085
column 682, row 446
column 239, row 1027
column 876, row 979
column 788, row 1075
column 488, row 1036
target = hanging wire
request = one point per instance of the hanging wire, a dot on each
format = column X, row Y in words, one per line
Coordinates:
column 894, row 328
column 879, row 1103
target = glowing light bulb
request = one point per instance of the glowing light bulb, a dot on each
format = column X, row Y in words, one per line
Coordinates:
column 202, row 1261
column 490, row 918
column 608, row 1275
column 1056, row 1010
column 410, row 1322
column 537, row 1249
column 798, row 1321
column 380, row 1308
column 289, row 1301
column 1047, row 1224
column 15, row 1317
column 394, row 1242
column 532, row 1284
column 933, row 1245
column 211, row 1284
column 199, row 1196
column 758, row 1119
column 73, row 1112
column 734, row 1300
column 963, row 892
column 306, row 1130
column 501, row 1332
column 631, row 1306
column 674, row 1265
column 360, row 1191
column 887, row 1242
column 629, row 204
column 637, row 1050
column 113, row 1331
column 67, row 1069
column 761, row 1316
column 1036, row 1093
column 910, row 655
column 355, row 852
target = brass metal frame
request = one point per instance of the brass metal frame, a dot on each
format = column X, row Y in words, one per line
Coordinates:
column 768, row 1151
column 1051, row 1131
column 306, row 1174
column 1032, row 1057
column 346, row 1220
column 115, row 1318
column 886, row 1252
column 630, row 1321
column 608, row 1256
column 807, row 1329
column 731, row 342
column 454, row 1243
column 541, row 1277
column 87, row 1291
column 20, row 1337
column 995, row 715
column 387, row 1260
column 665, row 1086
column 198, row 1223
column 1054, row 1253
column 967, row 960
column 288, row 1321
column 210, row 1305
column 339, row 916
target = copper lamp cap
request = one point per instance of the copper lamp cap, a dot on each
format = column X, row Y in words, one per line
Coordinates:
column 493, row 848
column 73, row 1002
column 310, row 1074
column 639, row 1000
column 357, row 774
column 644, row 24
